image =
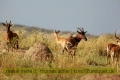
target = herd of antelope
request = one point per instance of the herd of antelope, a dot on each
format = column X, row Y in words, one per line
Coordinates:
column 68, row 44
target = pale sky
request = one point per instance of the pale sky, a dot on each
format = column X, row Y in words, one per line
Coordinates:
column 95, row 16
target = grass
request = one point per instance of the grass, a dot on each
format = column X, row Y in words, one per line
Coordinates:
column 91, row 53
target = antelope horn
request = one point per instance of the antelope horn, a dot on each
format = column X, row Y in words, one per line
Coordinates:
column 80, row 29
column 10, row 21
column 116, row 36
column 6, row 21
column 56, row 31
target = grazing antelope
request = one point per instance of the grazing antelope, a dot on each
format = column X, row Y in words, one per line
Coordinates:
column 113, row 51
column 12, row 38
column 71, row 43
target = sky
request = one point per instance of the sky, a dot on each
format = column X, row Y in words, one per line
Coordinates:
column 95, row 16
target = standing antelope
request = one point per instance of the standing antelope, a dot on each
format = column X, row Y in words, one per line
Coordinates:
column 71, row 43
column 12, row 38
column 80, row 35
column 60, row 40
column 113, row 51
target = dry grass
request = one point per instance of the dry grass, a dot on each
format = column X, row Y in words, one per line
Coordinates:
column 91, row 53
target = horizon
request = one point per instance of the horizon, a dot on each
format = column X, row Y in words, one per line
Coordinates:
column 64, row 31
column 96, row 17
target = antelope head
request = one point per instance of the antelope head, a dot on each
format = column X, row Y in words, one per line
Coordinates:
column 56, row 33
column 118, row 42
column 81, row 34
column 8, row 25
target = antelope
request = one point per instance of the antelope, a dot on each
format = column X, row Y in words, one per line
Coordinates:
column 71, row 43
column 60, row 41
column 80, row 35
column 12, row 38
column 113, row 51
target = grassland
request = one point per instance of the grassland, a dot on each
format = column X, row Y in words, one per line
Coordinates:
column 91, row 53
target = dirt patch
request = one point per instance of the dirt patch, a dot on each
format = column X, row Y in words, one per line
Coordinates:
column 39, row 51
column 100, row 77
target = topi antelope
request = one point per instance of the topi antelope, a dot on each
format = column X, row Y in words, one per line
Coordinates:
column 71, row 43
column 12, row 38
column 113, row 51
column 80, row 35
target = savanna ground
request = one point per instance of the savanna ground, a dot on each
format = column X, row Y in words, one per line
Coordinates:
column 91, row 53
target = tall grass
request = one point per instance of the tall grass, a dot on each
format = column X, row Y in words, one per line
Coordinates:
column 91, row 53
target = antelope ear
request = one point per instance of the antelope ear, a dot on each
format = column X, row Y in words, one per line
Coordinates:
column 78, row 31
column 4, row 24
column 11, row 24
column 85, row 31
column 58, row 31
